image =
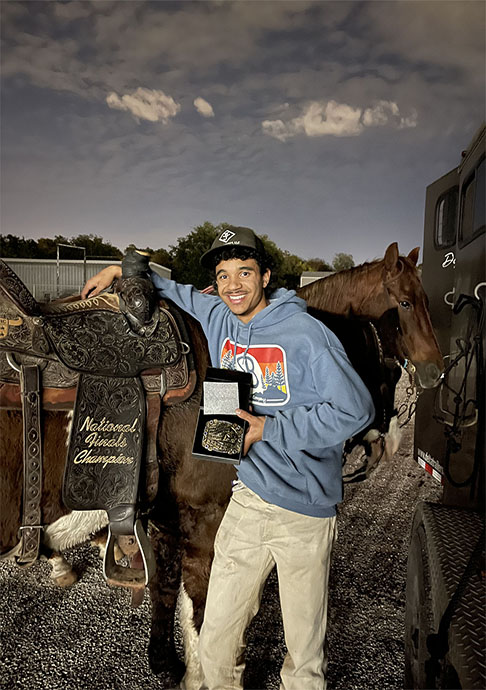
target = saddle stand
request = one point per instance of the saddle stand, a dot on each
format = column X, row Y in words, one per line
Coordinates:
column 111, row 358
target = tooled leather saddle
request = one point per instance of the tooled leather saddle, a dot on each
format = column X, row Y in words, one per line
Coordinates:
column 112, row 359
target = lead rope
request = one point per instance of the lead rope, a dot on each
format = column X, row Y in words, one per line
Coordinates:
column 409, row 407
column 470, row 349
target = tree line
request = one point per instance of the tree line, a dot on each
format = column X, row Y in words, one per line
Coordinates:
column 182, row 258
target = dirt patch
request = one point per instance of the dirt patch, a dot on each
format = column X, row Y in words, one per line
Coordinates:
column 88, row 636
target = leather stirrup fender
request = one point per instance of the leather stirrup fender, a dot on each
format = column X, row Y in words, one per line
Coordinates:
column 103, row 465
column 30, row 531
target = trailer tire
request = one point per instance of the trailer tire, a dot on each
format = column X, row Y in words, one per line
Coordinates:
column 419, row 613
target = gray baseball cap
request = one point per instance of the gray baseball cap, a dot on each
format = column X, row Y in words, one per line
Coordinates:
column 241, row 237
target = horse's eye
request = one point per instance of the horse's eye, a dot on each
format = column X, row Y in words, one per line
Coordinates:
column 405, row 305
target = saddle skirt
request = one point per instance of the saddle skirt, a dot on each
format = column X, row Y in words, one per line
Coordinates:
column 94, row 336
column 111, row 358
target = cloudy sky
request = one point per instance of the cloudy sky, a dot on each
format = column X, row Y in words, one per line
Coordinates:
column 318, row 123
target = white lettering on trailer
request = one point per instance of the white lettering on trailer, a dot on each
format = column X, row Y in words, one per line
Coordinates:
column 449, row 259
column 430, row 465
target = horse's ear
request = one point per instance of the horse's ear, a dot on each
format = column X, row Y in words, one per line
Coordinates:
column 391, row 256
column 414, row 255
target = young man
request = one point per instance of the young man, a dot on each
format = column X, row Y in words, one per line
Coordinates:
column 306, row 401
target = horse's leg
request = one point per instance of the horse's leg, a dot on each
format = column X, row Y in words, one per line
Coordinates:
column 62, row 572
column 100, row 540
column 193, row 676
column 68, row 531
column 394, row 433
column 199, row 527
column 392, row 438
column 164, row 588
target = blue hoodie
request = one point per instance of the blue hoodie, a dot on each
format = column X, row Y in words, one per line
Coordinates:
column 303, row 383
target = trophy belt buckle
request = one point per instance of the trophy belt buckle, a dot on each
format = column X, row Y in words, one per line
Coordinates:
column 222, row 436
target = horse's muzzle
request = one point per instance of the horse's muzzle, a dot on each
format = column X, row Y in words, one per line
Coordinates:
column 428, row 374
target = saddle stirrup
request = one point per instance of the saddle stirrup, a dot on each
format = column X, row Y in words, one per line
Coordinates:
column 122, row 524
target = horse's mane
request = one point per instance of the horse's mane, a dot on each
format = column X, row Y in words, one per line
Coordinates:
column 327, row 293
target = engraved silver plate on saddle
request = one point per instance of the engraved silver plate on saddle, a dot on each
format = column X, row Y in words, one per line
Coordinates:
column 222, row 436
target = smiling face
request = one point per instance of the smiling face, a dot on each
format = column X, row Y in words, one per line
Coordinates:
column 241, row 286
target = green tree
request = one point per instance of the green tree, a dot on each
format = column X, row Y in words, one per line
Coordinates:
column 96, row 246
column 342, row 261
column 12, row 247
column 287, row 268
column 47, row 248
column 158, row 256
column 291, row 269
column 184, row 258
column 149, row 250
column 316, row 264
column 186, row 254
column 162, row 257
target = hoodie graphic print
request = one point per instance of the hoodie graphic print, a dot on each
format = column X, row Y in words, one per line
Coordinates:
column 304, row 385
column 268, row 367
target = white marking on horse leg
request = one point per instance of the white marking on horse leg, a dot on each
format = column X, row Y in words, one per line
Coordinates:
column 74, row 528
column 393, row 437
column 377, row 450
column 62, row 573
column 372, row 435
column 193, row 677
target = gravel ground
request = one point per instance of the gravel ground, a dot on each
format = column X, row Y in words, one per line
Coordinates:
column 88, row 636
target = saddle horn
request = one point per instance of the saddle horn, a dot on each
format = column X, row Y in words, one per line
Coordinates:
column 137, row 294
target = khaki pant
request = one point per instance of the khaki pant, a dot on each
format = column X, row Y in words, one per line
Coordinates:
column 253, row 537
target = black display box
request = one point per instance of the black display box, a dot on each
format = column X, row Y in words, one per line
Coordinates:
column 220, row 437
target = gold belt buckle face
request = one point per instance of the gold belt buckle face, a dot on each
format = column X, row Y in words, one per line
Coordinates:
column 222, row 436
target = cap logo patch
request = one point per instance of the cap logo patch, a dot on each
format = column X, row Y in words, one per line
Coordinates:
column 226, row 236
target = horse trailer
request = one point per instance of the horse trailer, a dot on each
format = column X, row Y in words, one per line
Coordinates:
column 445, row 616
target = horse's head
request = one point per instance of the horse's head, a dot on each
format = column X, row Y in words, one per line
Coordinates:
column 372, row 289
column 405, row 293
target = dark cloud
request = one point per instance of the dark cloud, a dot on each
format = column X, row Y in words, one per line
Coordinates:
column 365, row 103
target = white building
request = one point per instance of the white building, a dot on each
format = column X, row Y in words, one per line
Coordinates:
column 309, row 276
column 47, row 279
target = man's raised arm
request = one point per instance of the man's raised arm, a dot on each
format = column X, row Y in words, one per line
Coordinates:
column 101, row 281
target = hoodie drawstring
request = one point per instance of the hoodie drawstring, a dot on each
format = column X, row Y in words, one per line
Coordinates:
column 248, row 341
column 244, row 353
column 236, row 340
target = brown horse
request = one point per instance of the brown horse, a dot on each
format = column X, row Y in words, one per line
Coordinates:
column 192, row 495
column 370, row 290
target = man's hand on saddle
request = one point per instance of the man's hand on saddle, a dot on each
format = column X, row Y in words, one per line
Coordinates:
column 255, row 428
column 100, row 281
